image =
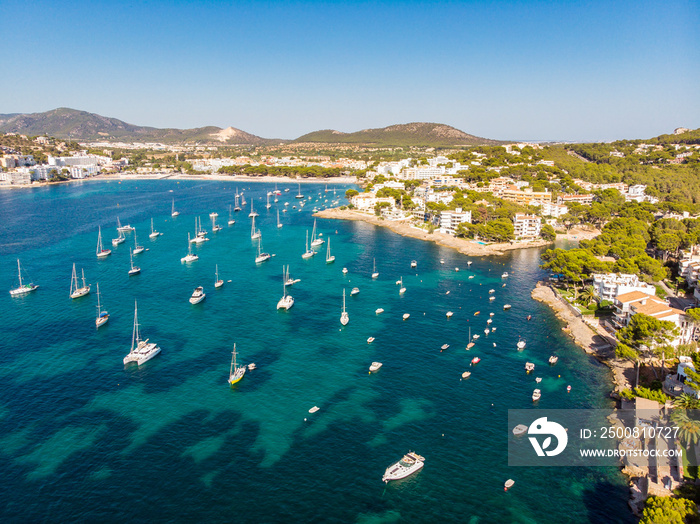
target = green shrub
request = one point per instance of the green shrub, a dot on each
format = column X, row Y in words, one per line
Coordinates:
column 642, row 392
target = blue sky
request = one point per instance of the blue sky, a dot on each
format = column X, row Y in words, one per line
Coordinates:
column 506, row 70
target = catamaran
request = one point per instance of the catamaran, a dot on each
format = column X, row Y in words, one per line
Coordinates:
column 231, row 221
column 309, row 252
column 75, row 290
column 102, row 316
column 218, row 282
column 101, row 251
column 190, row 257
column 315, row 241
column 279, row 224
column 254, row 233
column 141, row 350
column 137, row 249
column 123, row 229
column 174, row 213
column 344, row 317
column 23, row 288
column 374, row 268
column 299, row 195
column 329, row 258
column 154, row 233
column 134, row 269
column 252, row 211
column 287, row 301
column 236, row 373
column 120, row 239
column 262, row 257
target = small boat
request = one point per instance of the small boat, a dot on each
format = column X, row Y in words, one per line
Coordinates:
column 471, row 276
column 309, row 252
column 491, row 291
column 476, row 336
column 218, row 282
column 315, row 241
column 251, row 366
column 536, row 395
column 414, row 263
column 476, row 313
column 120, row 239
column 491, row 314
column 504, row 285
column 370, row 340
column 287, row 301
column 286, row 190
column 442, row 260
column 469, row 263
column 379, row 310
column 504, row 274
column 449, row 314
column 506, row 306
column 487, row 331
column 456, row 269
column 409, row 464
column 123, row 229
column 488, row 321
column 538, row 379
column 133, row 270
column 553, row 360
column 529, row 366
column 214, row 226
column 492, row 298
column 466, row 374
column 375, row 366
column 344, row 317
column 102, row 316
column 354, row 291
column 154, row 233
column 329, row 258
column 374, row 268
column 141, row 350
column 402, row 289
column 76, row 290
column 509, row 484
column 288, row 280
column 568, row 389
column 447, row 292
column 198, row 295
column 236, row 372
column 174, row 213
column 190, row 257
column 299, row 195
column 529, row 317
column 262, row 257
column 520, row 429
column 444, row 347
column 521, row 344
column 476, row 360
column 470, row 345
column 231, row 220
column 137, row 249
column 23, row 288
column 314, row 409
column 406, row 315
column 101, row 251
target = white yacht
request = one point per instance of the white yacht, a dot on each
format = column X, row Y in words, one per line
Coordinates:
column 375, row 366
column 190, row 257
column 414, row 264
column 262, row 257
column 354, row 291
column 287, row 301
column 374, row 268
column 102, row 316
column 134, row 269
column 198, row 295
column 231, row 221
column 174, row 213
column 213, row 214
column 520, row 344
column 409, row 464
column 236, row 373
column 137, row 249
column 101, row 251
column 379, row 310
column 449, row 314
column 553, row 360
column 236, row 207
column 345, row 271
column 154, row 233
column 23, row 288
column 123, row 229
column 506, row 306
column 254, row 233
column 218, row 282
column 536, row 395
column 529, row 366
column 504, row 274
column 288, row 280
column 315, row 241
column 344, row 318
column 76, row 290
column 329, row 258
column 299, row 195
column 141, row 350
column 214, row 226
column 279, row 224
column 402, row 289
column 199, row 230
column 406, row 315
column 252, row 213
column 268, row 205
column 119, row 240
column 309, row 252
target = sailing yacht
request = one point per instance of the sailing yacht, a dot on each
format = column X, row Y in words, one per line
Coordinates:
column 309, row 252
column 268, row 205
column 120, row 239
column 315, row 241
column 154, row 233
column 189, row 257
column 137, row 249
column 102, row 316
column 276, row 191
column 236, row 373
column 75, row 290
column 174, row 213
column 279, row 224
column 254, row 233
column 299, row 195
column 329, row 258
column 289, row 281
column 262, row 257
column 101, row 251
column 252, row 211
column 231, row 221
column 200, row 232
column 287, row 301
column 134, row 269
column 344, row 318
column 218, row 282
column 374, row 268
column 198, row 295
column 215, row 227
column 236, row 207
column 123, row 229
column 402, row 289
column 141, row 350
column 22, row 288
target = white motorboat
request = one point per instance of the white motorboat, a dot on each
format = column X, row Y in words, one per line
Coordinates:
column 236, row 372
column 154, row 233
column 123, row 229
column 141, row 350
column 119, row 240
column 134, row 270
column 476, row 336
column 521, row 344
column 491, row 291
column 536, row 395
column 345, row 271
column 520, row 429
column 309, row 252
column 354, row 291
column 190, row 257
column 379, row 310
column 137, row 249
column 252, row 366
column 449, row 314
column 488, row 321
column 262, row 257
column 466, row 374
column 315, row 241
column 487, row 331
column 444, row 347
column 442, row 260
column 287, row 301
column 174, row 213
column 414, row 264
column 506, row 306
column 101, row 251
column 553, row 360
column 344, row 317
column 254, row 233
column 102, row 316
column 492, row 298
column 198, row 295
column 469, row 263
column 76, row 290
column 329, row 258
column 375, row 366
column 23, row 288
column 406, row 315
column 370, row 340
column 538, row 379
column 374, row 268
column 504, row 274
column 218, row 282
column 409, row 464
column 314, row 409
column 529, row 366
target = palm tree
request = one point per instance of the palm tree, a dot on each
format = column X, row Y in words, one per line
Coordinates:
column 587, row 295
column 685, row 401
column 688, row 429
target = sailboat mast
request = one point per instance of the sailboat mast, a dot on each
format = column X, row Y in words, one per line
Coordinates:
column 135, row 332
column 19, row 270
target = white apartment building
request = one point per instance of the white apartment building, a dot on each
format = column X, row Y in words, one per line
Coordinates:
column 609, row 286
column 449, row 220
column 526, row 226
column 367, row 201
column 585, row 200
column 553, row 210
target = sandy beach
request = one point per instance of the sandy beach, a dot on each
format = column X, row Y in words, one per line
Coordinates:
column 579, row 233
column 404, row 228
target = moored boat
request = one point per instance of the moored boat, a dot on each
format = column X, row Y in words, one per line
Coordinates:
column 409, row 464
column 375, row 366
column 141, row 350
column 22, row 288
column 198, row 295
column 236, row 372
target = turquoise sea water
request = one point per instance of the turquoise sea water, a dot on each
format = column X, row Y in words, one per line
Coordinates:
column 83, row 438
